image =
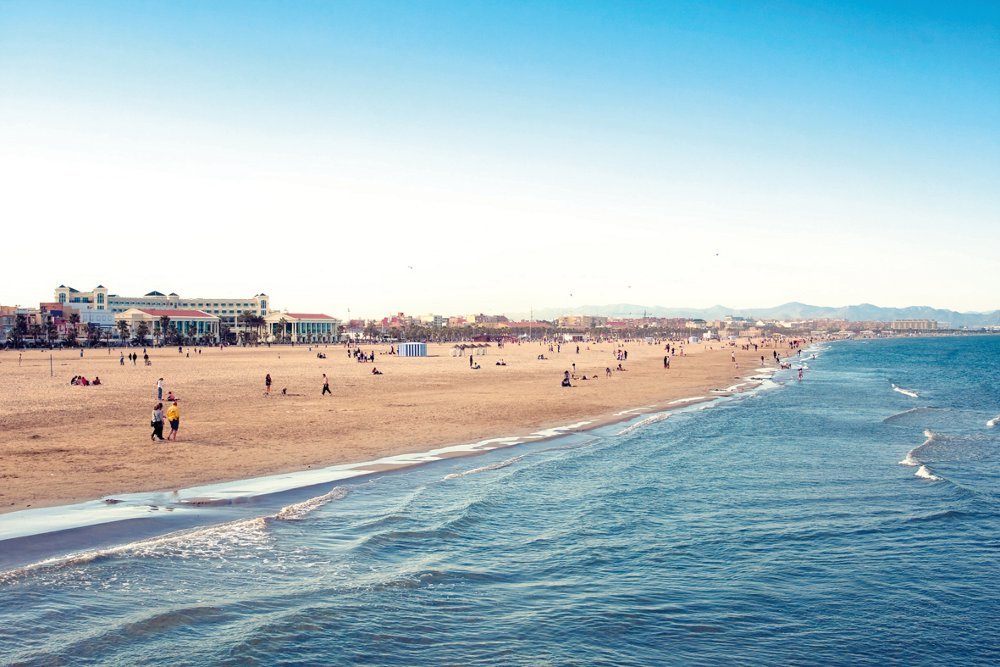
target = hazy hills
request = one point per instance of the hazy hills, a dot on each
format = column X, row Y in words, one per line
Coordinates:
column 789, row 311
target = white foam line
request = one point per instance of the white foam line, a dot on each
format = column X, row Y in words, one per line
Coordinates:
column 645, row 422
column 135, row 505
column 905, row 392
column 491, row 466
column 993, row 422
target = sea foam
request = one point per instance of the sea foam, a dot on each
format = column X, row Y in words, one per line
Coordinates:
column 906, row 392
column 299, row 511
column 486, row 468
column 911, row 458
column 645, row 422
column 924, row 473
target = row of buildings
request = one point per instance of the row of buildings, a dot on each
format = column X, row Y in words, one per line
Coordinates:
column 100, row 316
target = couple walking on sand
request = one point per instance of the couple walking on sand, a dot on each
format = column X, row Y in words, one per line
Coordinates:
column 173, row 416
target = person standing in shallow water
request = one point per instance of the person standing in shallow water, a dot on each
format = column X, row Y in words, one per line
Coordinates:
column 174, row 417
column 157, row 423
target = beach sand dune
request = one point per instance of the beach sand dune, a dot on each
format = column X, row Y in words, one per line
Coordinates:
column 61, row 443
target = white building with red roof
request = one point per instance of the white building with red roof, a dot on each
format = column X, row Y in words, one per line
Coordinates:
column 192, row 325
column 284, row 327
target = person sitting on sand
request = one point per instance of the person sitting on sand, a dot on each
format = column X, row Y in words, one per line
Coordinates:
column 620, row 367
column 171, row 397
column 73, row 381
column 97, row 380
column 376, row 371
column 565, row 381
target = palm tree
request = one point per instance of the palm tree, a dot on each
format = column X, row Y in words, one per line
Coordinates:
column 50, row 329
column 20, row 329
column 192, row 330
column 122, row 330
column 283, row 323
column 243, row 321
column 164, row 323
column 141, row 332
column 71, row 332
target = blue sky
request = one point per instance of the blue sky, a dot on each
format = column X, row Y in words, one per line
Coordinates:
column 512, row 153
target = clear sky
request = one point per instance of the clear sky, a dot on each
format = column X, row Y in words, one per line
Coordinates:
column 455, row 157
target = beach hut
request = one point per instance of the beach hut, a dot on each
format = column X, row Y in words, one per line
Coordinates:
column 412, row 350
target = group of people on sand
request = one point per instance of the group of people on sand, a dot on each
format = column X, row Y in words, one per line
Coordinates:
column 80, row 381
column 133, row 357
column 172, row 415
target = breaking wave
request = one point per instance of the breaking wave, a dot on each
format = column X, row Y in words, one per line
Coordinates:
column 645, row 422
column 906, row 392
column 298, row 511
column 244, row 536
column 924, row 473
column 911, row 458
column 492, row 466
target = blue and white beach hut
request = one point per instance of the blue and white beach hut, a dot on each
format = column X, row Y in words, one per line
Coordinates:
column 412, row 350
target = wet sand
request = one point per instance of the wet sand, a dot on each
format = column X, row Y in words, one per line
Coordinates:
column 61, row 443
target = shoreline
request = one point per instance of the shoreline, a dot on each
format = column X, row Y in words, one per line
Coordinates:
column 705, row 387
column 93, row 512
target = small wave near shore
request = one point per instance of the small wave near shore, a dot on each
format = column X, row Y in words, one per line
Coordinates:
column 905, row 392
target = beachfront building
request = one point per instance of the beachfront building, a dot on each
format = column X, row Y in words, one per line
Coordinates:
column 914, row 325
column 190, row 325
column 228, row 310
column 580, row 322
column 301, row 328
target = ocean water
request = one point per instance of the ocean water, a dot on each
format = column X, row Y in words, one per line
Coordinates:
column 848, row 518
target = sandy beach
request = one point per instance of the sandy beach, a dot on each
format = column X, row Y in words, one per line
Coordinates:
column 61, row 443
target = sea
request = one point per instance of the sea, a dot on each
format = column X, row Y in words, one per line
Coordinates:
column 847, row 518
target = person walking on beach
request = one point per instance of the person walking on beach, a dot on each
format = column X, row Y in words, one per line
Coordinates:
column 174, row 417
column 267, row 384
column 121, row 359
column 159, row 389
column 326, row 386
column 157, row 423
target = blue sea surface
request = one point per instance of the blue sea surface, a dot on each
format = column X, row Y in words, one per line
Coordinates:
column 848, row 518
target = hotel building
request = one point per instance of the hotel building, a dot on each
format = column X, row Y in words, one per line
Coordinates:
column 226, row 309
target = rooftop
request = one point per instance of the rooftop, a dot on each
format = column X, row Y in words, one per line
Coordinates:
column 174, row 313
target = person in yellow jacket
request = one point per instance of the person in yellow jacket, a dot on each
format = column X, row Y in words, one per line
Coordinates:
column 174, row 417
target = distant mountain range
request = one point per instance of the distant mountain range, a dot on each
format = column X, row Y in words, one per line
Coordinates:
column 864, row 312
